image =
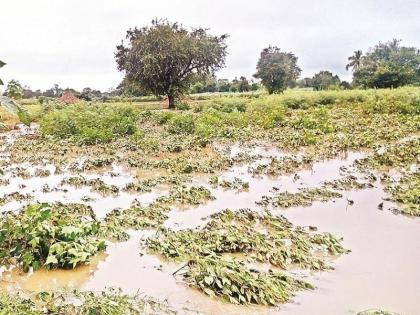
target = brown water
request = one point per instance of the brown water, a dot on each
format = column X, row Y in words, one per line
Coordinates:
column 382, row 270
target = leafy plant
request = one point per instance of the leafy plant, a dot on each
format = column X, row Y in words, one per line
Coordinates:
column 90, row 124
column 305, row 197
column 52, row 236
column 231, row 280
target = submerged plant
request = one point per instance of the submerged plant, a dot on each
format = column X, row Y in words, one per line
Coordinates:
column 49, row 235
column 264, row 238
column 231, row 280
column 108, row 302
column 305, row 197
column 187, row 195
column 406, row 193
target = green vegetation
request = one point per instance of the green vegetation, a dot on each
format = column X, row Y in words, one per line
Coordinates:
column 175, row 149
column 2, row 64
column 243, row 232
column 259, row 237
column 107, row 302
column 406, row 192
column 231, row 280
column 386, row 65
column 305, row 197
column 165, row 58
column 277, row 70
column 52, row 236
column 90, row 124
column 14, row 90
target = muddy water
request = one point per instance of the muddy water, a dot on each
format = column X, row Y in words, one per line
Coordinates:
column 380, row 272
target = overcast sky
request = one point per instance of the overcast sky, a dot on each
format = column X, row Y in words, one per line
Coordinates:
column 72, row 42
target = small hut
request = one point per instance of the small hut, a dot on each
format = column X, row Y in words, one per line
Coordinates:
column 68, row 98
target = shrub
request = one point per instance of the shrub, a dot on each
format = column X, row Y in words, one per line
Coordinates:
column 53, row 236
column 183, row 106
column 181, row 124
column 89, row 124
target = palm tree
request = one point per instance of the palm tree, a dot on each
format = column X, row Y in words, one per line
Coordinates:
column 355, row 60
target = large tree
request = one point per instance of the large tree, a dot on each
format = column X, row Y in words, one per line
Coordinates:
column 276, row 69
column 324, row 80
column 388, row 65
column 165, row 58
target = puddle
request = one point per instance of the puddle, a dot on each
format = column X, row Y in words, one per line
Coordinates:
column 381, row 271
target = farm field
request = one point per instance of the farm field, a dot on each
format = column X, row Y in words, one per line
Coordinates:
column 230, row 204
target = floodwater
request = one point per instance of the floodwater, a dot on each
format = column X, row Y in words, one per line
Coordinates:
column 381, row 271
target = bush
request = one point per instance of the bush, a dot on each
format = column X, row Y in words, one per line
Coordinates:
column 89, row 124
column 181, row 124
column 183, row 106
column 62, row 236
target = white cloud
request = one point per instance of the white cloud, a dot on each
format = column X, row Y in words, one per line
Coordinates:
column 72, row 42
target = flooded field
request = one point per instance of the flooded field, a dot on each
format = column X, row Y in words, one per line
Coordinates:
column 379, row 271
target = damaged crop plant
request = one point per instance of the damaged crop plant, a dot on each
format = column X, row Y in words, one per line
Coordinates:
column 255, row 237
column 58, row 236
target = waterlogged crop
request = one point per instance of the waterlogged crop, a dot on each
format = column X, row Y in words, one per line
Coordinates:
column 111, row 301
column 117, row 222
column 231, row 280
column 406, row 193
column 96, row 184
column 169, row 148
column 187, row 195
column 259, row 237
column 53, row 236
column 305, row 197
column 264, row 238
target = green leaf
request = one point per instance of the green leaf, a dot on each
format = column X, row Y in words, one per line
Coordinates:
column 51, row 260
column 14, row 108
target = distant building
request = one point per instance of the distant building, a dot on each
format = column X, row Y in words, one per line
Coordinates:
column 68, row 98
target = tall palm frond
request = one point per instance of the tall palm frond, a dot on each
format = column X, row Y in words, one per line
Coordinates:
column 355, row 60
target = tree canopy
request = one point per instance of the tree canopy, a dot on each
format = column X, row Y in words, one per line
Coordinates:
column 14, row 90
column 165, row 58
column 388, row 65
column 276, row 69
column 324, row 80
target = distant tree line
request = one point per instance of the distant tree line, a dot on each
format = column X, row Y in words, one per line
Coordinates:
column 386, row 65
column 166, row 59
column 16, row 91
column 210, row 85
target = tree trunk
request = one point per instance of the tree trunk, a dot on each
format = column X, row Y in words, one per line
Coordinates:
column 171, row 100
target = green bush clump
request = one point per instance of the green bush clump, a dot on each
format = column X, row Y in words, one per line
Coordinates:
column 90, row 124
column 229, row 105
column 162, row 117
column 181, row 124
column 183, row 106
column 60, row 235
